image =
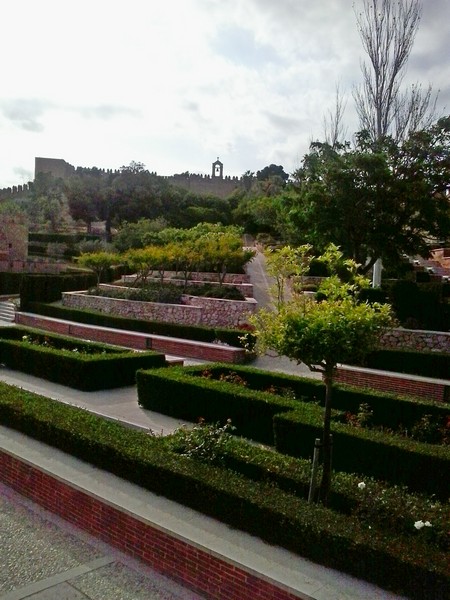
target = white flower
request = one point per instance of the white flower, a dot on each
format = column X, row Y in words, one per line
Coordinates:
column 361, row 485
column 427, row 524
column 419, row 524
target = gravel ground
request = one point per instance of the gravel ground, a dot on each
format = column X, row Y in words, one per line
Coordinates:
column 44, row 558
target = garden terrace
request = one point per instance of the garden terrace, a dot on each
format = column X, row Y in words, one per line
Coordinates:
column 241, row 283
column 194, row 310
column 352, row 535
column 74, row 363
column 283, row 411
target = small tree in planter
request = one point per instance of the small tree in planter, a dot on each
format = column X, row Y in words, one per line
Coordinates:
column 338, row 329
column 99, row 262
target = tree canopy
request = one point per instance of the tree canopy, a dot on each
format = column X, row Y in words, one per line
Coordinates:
column 377, row 199
column 339, row 329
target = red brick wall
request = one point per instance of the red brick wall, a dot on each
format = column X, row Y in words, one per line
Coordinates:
column 399, row 385
column 171, row 556
column 174, row 346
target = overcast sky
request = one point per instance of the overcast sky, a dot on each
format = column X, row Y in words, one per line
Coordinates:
column 175, row 84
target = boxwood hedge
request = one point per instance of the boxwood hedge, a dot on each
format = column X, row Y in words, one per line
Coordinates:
column 292, row 425
column 77, row 364
column 403, row 564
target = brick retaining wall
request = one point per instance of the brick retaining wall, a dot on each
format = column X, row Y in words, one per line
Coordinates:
column 177, row 558
column 139, row 341
column 385, row 382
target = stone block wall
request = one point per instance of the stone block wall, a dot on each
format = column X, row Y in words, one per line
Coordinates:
column 32, row 266
column 210, row 312
column 246, row 289
column 416, row 339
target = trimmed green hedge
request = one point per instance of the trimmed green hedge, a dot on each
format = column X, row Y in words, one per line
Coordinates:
column 292, row 425
column 404, row 564
column 71, row 362
column 426, row 364
column 61, row 238
column 48, row 288
column 190, row 332
column 390, row 410
column 185, row 396
column 10, row 283
column 422, row 467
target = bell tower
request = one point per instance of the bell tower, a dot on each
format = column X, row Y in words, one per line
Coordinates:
column 217, row 169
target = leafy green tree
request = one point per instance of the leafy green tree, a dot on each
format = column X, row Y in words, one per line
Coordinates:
column 85, row 196
column 339, row 329
column 272, row 171
column 139, row 234
column 98, row 262
column 221, row 252
column 286, row 263
column 376, row 200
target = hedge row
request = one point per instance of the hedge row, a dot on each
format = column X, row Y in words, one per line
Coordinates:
column 61, row 238
column 190, row 332
column 390, row 410
column 293, row 425
column 10, row 283
column 63, row 360
column 426, row 364
column 403, row 564
column 48, row 288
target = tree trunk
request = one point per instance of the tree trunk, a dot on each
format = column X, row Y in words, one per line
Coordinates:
column 326, row 440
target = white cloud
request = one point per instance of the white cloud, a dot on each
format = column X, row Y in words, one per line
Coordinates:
column 174, row 84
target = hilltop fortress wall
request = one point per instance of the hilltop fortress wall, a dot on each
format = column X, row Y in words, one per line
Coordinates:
column 215, row 184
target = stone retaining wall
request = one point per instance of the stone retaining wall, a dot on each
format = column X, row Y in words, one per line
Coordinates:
column 246, row 289
column 210, row 312
column 32, row 266
column 415, row 339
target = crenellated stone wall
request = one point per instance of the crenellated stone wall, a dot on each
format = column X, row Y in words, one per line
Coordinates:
column 206, row 185
column 210, row 312
column 16, row 191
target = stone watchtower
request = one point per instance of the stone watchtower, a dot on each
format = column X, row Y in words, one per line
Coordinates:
column 217, row 169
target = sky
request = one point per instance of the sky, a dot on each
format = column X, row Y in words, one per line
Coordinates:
column 175, row 84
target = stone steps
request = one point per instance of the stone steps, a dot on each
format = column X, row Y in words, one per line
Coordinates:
column 7, row 312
